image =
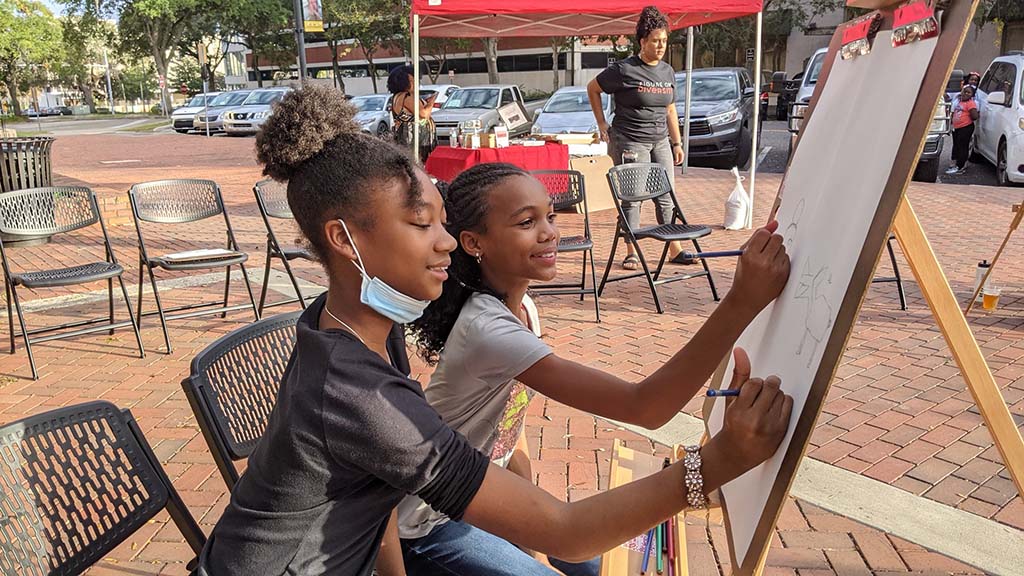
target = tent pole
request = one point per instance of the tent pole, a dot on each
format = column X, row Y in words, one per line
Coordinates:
column 416, row 87
column 686, row 105
column 757, row 118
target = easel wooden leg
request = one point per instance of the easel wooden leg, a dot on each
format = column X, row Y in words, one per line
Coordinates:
column 1019, row 209
column 960, row 340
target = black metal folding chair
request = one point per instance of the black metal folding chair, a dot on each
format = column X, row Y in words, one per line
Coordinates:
column 272, row 199
column 233, row 387
column 639, row 182
column 51, row 211
column 177, row 202
column 567, row 190
column 896, row 277
column 74, row 484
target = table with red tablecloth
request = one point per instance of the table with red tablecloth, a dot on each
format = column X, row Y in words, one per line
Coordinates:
column 445, row 162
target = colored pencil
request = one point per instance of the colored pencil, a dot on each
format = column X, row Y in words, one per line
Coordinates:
column 659, row 533
column 647, row 551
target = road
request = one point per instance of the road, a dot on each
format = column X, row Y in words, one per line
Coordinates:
column 70, row 126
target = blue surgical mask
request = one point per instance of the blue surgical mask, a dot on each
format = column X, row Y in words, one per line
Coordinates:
column 381, row 297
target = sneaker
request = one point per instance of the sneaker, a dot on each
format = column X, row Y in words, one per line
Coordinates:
column 952, row 170
column 962, row 170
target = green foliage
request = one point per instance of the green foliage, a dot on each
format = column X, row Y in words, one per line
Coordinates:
column 29, row 46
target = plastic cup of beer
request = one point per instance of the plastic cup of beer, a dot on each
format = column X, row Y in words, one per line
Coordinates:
column 990, row 298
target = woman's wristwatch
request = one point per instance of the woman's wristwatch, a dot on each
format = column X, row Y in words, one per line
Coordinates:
column 694, row 478
column 674, row 144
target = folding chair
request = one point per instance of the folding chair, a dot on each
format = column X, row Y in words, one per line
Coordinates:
column 567, row 190
column 896, row 277
column 233, row 387
column 51, row 211
column 639, row 182
column 272, row 199
column 177, row 202
column 77, row 482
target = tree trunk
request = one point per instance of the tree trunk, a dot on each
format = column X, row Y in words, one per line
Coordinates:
column 161, row 70
column 368, row 54
column 491, row 54
column 12, row 89
column 554, row 66
column 87, row 97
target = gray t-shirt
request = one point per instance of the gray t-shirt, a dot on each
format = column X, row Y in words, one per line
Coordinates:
column 642, row 95
column 474, row 390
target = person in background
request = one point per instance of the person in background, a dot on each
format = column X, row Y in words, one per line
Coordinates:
column 400, row 84
column 965, row 114
column 646, row 126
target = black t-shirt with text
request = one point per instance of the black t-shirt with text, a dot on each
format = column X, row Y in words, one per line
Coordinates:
column 642, row 93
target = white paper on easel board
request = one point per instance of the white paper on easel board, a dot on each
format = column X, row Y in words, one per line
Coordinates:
column 832, row 191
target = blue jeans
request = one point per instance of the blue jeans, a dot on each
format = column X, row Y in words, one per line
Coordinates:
column 458, row 549
column 659, row 152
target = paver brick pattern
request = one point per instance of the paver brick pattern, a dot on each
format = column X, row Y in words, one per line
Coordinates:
column 898, row 412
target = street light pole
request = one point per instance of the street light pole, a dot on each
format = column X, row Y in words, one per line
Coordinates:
column 300, row 40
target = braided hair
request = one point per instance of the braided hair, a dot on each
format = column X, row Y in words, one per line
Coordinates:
column 650, row 19
column 332, row 167
column 467, row 203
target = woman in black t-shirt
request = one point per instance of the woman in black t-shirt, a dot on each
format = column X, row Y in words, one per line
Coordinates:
column 646, row 126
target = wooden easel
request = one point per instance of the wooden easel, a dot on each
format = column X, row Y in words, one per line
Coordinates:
column 1014, row 224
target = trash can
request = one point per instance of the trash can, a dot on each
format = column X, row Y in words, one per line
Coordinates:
column 25, row 163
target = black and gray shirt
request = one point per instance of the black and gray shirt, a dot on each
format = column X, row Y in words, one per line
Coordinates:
column 350, row 436
column 642, row 95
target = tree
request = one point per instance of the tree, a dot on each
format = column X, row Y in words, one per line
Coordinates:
column 334, row 33
column 559, row 44
column 491, row 55
column 83, row 38
column 374, row 24
column 28, row 46
column 434, row 53
column 151, row 27
column 257, row 25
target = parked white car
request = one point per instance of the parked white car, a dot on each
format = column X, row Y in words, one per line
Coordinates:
column 568, row 112
column 374, row 113
column 999, row 134
column 183, row 118
column 250, row 116
column 443, row 92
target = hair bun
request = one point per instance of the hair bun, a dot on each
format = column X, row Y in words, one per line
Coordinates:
column 304, row 121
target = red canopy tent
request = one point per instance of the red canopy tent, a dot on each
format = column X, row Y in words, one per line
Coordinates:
column 489, row 18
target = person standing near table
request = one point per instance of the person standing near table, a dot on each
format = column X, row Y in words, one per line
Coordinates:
column 400, row 84
column 646, row 123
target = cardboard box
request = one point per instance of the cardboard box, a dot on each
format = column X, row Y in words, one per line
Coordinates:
column 595, row 178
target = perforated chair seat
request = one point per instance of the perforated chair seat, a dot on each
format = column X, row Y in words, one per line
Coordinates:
column 294, row 253
column 673, row 232
column 68, row 276
column 199, row 264
column 76, row 482
column 574, row 244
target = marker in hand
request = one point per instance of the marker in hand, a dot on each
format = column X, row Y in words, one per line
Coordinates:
column 722, row 254
column 723, row 393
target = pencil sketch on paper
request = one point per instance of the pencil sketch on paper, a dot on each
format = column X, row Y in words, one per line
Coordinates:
column 789, row 236
column 818, row 316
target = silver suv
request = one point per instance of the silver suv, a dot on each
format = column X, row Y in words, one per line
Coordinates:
column 254, row 111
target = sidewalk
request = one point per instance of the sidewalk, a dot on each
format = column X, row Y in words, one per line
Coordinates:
column 898, row 414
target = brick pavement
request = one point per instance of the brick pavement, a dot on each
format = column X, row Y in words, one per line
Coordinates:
column 898, row 413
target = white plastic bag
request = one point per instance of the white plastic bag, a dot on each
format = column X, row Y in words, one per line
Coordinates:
column 737, row 205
